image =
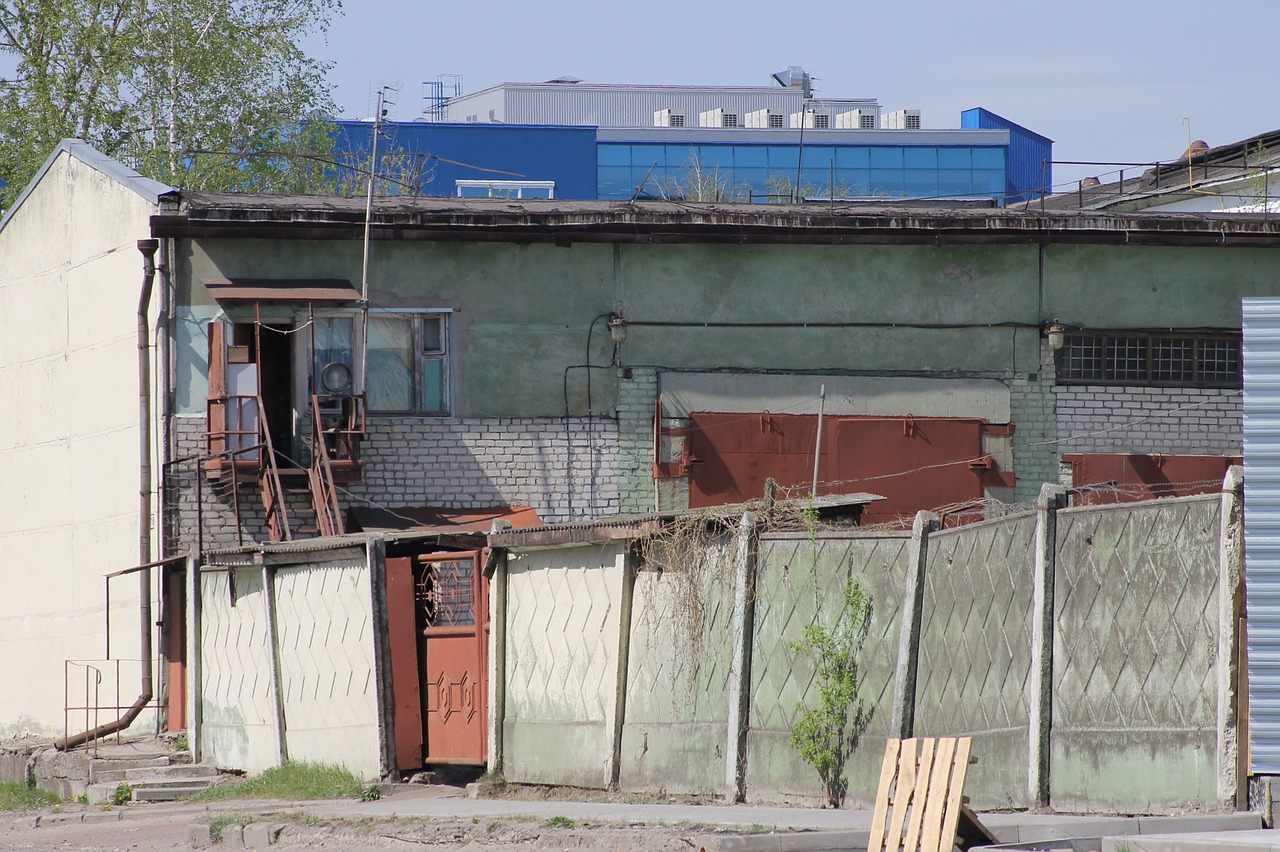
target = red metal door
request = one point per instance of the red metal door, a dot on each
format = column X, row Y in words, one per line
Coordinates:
column 403, row 634
column 452, row 596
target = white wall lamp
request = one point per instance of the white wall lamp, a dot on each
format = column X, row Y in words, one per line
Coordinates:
column 617, row 328
column 1056, row 334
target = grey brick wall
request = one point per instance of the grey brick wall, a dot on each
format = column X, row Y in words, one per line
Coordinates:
column 637, row 396
column 1184, row 421
column 564, row 470
column 1031, row 407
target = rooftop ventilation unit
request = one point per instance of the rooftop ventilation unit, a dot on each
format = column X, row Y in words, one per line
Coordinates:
column 858, row 119
column 668, row 118
column 763, row 118
column 717, row 118
column 812, row 119
column 903, row 119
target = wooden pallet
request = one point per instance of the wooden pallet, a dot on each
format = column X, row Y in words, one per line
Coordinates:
column 920, row 803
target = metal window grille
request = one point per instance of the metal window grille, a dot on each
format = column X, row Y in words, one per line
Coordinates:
column 913, row 122
column 676, row 120
column 867, row 122
column 821, row 121
column 446, row 594
column 775, row 120
column 730, row 119
column 1150, row 359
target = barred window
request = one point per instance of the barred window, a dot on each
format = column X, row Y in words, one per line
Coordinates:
column 1139, row 358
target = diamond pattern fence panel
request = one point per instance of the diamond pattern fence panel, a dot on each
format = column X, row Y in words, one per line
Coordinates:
column 674, row 734
column 975, row 651
column 562, row 664
column 1135, row 656
column 238, row 727
column 797, row 581
column 327, row 682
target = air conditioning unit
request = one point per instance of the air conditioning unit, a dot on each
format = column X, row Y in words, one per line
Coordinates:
column 858, row 119
column 903, row 119
column 668, row 118
column 816, row 119
column 717, row 118
column 763, row 118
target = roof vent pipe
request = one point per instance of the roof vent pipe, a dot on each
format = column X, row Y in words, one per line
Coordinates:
column 148, row 249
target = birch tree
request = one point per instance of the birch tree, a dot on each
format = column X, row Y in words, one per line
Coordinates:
column 200, row 94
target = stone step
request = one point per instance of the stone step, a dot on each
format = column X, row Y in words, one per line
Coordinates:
column 172, row 790
column 175, row 771
column 102, row 771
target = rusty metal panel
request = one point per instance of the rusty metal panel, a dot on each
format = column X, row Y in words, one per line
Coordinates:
column 915, row 462
column 1142, row 477
column 451, row 593
column 402, row 635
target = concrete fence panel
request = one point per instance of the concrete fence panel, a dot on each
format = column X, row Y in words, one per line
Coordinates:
column 327, row 683
column 238, row 709
column 798, row 581
column 974, row 660
column 1135, row 656
column 562, row 645
column 674, row 735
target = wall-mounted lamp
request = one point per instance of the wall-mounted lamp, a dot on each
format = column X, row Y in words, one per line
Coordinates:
column 617, row 328
column 1057, row 336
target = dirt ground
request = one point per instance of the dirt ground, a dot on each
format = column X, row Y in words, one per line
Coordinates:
column 144, row 831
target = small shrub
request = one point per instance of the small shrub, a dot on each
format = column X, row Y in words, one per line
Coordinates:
column 123, row 794
column 826, row 733
column 560, row 822
column 181, row 743
column 370, row 793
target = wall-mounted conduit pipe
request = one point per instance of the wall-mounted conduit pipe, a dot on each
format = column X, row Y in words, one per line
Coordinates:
column 148, row 249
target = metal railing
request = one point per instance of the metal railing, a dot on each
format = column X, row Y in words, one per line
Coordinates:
column 87, row 701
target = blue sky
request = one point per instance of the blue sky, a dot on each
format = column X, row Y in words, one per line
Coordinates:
column 1105, row 80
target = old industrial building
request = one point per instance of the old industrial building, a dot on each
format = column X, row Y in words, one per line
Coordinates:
column 549, row 360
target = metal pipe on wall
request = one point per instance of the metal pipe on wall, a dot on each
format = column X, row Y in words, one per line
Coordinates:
column 148, row 249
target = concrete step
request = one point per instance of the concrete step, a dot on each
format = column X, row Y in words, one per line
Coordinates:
column 103, row 771
column 175, row 771
column 169, row 792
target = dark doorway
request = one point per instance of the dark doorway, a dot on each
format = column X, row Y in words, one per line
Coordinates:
column 273, row 349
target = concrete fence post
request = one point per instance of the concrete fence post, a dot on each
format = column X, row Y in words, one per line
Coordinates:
column 497, row 660
column 1040, row 683
column 1232, row 786
column 195, row 664
column 376, row 566
column 904, row 679
column 739, row 720
column 273, row 651
column 629, row 567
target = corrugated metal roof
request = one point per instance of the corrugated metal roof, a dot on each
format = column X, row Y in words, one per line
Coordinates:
column 438, row 519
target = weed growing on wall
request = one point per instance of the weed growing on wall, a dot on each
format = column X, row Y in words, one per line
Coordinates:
column 828, row 729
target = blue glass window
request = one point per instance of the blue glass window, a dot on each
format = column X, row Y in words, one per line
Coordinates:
column 954, row 158
column 853, row 158
column 888, row 157
column 988, row 158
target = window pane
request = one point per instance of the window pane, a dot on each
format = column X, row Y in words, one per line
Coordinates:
column 1171, row 359
column 432, row 334
column 1220, row 362
column 332, row 340
column 1127, row 359
column 1081, row 358
column 433, row 385
column 390, row 364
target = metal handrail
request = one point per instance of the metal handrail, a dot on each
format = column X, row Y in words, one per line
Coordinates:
column 269, row 481
column 324, row 492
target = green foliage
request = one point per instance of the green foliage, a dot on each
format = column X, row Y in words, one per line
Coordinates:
column 182, row 90
column 181, row 743
column 370, row 793
column 19, row 797
column 291, row 781
column 827, row 731
column 123, row 794
column 560, row 822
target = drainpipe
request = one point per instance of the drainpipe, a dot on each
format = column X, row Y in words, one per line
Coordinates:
column 148, row 249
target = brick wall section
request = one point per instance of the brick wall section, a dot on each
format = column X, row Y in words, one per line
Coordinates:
column 1177, row 421
column 636, row 398
column 1031, row 407
column 566, row 471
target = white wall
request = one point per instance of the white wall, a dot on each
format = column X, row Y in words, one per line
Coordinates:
column 70, row 276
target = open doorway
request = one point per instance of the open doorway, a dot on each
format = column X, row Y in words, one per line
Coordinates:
column 271, row 348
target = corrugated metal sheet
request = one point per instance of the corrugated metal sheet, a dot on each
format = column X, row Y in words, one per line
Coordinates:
column 1262, row 527
column 1027, row 167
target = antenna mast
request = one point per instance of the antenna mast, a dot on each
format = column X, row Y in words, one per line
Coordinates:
column 378, row 113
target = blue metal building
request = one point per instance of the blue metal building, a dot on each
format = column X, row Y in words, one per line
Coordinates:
column 1029, row 168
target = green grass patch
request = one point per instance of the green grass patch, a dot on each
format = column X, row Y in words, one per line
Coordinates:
column 20, row 797
column 290, row 781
